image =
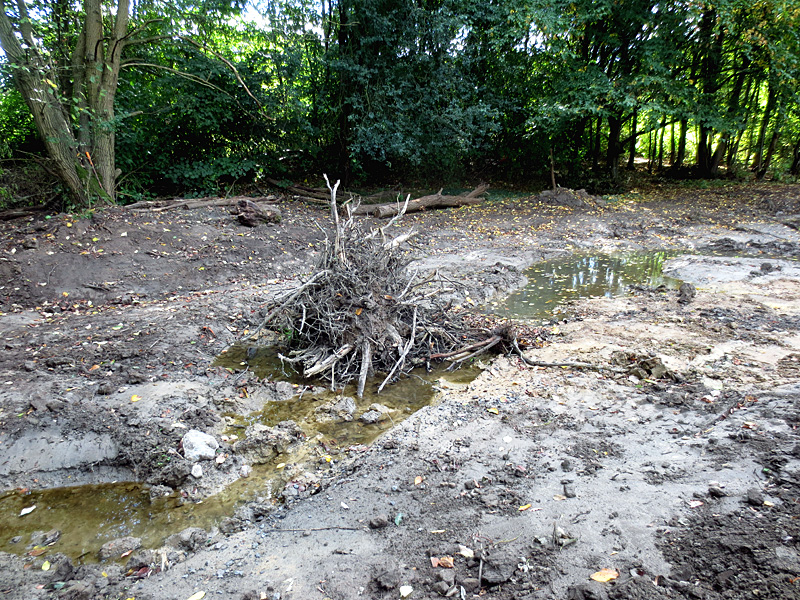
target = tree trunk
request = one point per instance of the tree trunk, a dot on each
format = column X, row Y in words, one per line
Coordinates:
column 83, row 157
column 613, row 148
column 682, row 144
column 632, row 143
column 772, row 100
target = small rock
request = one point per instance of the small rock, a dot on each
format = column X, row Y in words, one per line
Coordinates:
column 118, row 547
column 441, row 588
column 197, row 471
column 198, row 445
column 371, row 417
column 388, row 579
column 754, row 497
column 159, row 491
column 566, row 465
column 716, row 492
column 686, row 293
column 471, row 584
column 379, row 522
column 569, row 490
column 448, row 576
column 245, row 471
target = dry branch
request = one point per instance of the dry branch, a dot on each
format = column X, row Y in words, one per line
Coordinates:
column 363, row 313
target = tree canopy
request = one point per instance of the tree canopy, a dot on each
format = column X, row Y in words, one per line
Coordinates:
column 189, row 97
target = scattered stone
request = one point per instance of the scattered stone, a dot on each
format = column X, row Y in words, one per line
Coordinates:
column 38, row 403
column 569, row 490
column 336, row 411
column 566, row 465
column 173, row 474
column 106, row 388
column 754, row 497
column 371, row 417
column 686, row 293
column 716, row 492
column 379, row 522
column 441, row 588
column 245, row 471
column 499, row 567
column 388, row 579
column 190, row 539
column 447, row 576
column 116, row 548
column 471, row 584
column 198, row 445
column 265, row 443
column 159, row 491
column 197, row 471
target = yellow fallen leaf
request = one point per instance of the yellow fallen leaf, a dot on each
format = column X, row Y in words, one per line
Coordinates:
column 94, row 367
column 418, row 479
column 359, row 311
column 605, row 575
column 438, row 530
column 197, row 596
column 135, row 398
column 446, row 562
column 46, row 565
column 280, row 465
column 524, row 507
column 493, row 410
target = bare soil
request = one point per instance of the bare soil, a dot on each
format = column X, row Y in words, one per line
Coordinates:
column 682, row 481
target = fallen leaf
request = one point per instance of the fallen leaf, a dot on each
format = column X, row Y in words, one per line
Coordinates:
column 46, row 565
column 359, row 311
column 434, row 562
column 749, row 425
column 605, row 575
column 344, row 506
column 405, row 591
column 27, row 511
column 197, row 596
column 493, row 410
column 124, row 554
column 768, row 503
column 94, row 367
column 438, row 530
column 280, row 465
column 465, row 552
column 446, row 562
column 524, row 507
column 135, row 398
column 695, row 503
column 418, row 479
column 117, row 327
column 37, row 551
column 559, row 497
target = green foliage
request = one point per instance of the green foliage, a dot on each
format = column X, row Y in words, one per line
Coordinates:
column 16, row 123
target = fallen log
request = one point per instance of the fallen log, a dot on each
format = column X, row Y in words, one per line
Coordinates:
column 437, row 200
column 162, row 205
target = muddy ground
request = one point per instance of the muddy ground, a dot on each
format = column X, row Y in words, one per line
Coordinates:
column 675, row 477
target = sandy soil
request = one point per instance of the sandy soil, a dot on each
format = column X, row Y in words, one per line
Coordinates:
column 678, row 476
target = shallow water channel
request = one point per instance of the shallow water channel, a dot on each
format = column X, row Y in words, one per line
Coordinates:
column 88, row 516
column 554, row 284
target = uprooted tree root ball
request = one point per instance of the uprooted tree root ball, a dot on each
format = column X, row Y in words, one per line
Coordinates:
column 364, row 313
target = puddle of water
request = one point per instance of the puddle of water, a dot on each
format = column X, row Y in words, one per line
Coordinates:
column 553, row 284
column 89, row 516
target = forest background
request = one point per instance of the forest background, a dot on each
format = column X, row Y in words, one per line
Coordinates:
column 124, row 100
